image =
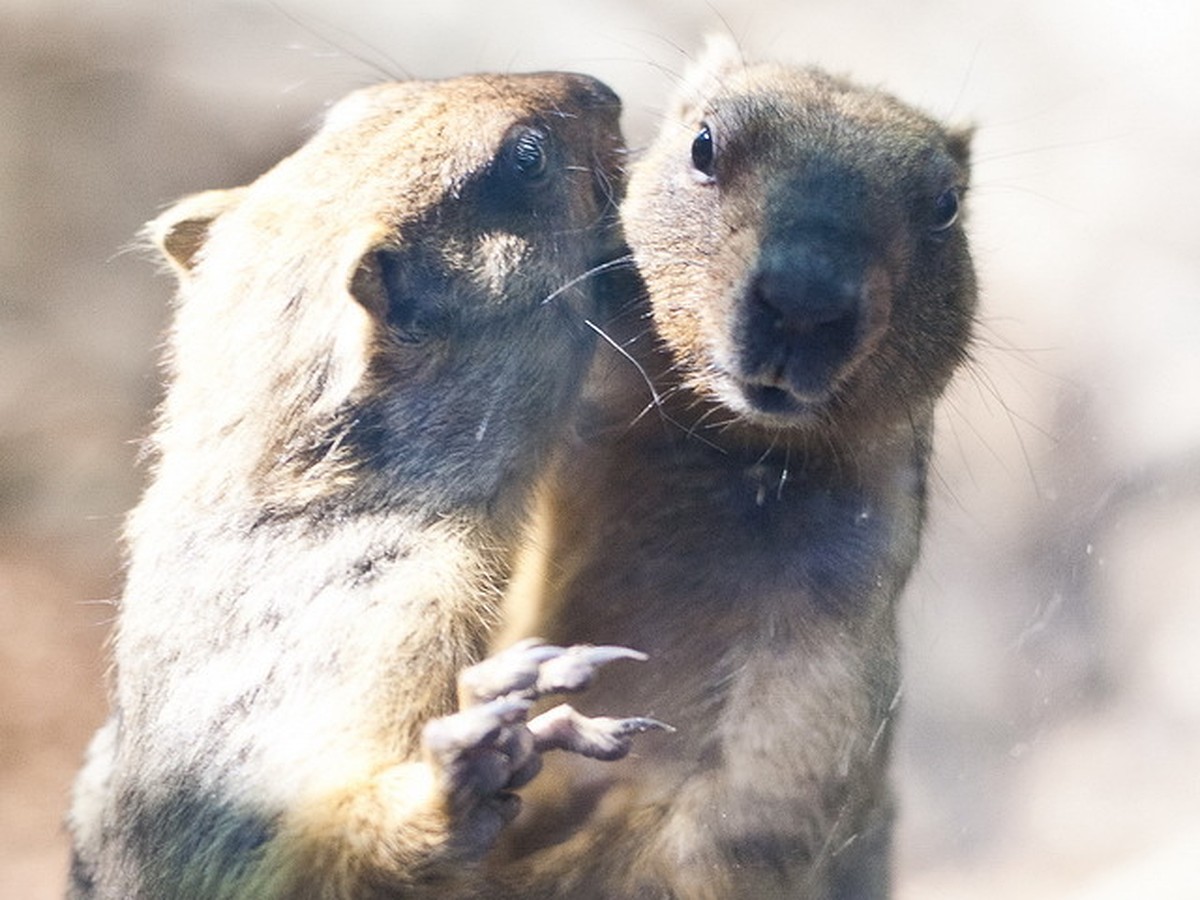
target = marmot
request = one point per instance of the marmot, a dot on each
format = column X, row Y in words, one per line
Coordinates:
column 744, row 497
column 375, row 346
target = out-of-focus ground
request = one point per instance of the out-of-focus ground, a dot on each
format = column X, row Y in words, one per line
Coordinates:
column 1051, row 736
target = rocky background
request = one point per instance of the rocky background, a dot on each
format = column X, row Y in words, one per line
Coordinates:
column 1052, row 704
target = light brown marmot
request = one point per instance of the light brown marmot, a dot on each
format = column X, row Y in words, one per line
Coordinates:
column 375, row 347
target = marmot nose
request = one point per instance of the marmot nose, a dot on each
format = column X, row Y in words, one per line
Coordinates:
column 805, row 289
column 803, row 317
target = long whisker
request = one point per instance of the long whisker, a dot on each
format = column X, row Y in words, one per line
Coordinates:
column 656, row 398
column 617, row 263
column 656, row 401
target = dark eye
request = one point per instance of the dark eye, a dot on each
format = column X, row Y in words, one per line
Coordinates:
column 528, row 154
column 703, row 153
column 945, row 210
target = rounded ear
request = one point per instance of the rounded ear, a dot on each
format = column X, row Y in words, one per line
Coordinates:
column 182, row 230
column 405, row 290
column 367, row 285
column 719, row 59
column 958, row 141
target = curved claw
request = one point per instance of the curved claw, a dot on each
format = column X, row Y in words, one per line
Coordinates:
column 535, row 650
column 600, row 654
column 642, row 724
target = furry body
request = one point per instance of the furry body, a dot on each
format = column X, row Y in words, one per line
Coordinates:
column 745, row 502
column 375, row 346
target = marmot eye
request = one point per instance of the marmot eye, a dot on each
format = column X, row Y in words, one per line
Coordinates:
column 529, row 154
column 945, row 210
column 703, row 153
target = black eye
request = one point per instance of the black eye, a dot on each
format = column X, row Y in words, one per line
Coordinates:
column 945, row 210
column 528, row 154
column 703, row 153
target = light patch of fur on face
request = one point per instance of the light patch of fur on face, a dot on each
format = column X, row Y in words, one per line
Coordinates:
column 492, row 260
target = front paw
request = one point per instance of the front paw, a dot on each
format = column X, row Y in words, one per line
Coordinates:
column 491, row 747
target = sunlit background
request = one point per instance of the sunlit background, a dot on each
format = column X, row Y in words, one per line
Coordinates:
column 1051, row 738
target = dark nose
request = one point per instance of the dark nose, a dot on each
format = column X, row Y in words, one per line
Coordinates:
column 806, row 302
column 803, row 287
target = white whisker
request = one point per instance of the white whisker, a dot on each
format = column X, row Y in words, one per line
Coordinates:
column 584, row 276
column 657, row 400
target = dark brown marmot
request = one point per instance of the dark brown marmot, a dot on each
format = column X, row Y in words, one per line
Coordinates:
column 750, row 518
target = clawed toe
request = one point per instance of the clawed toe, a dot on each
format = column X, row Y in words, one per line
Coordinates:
column 488, row 748
column 508, row 672
column 531, row 670
column 600, row 737
column 575, row 668
column 478, row 726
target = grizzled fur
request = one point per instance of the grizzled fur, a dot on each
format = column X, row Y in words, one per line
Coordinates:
column 745, row 503
column 374, row 347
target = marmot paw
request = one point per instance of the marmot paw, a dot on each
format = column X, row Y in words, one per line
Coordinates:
column 490, row 747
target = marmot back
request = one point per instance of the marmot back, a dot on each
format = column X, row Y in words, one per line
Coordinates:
column 375, row 348
column 745, row 503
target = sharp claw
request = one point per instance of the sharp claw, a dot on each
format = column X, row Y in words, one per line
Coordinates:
column 599, row 655
column 642, row 724
column 531, row 669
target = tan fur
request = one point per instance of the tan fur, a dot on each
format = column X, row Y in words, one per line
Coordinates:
column 367, row 376
column 744, row 503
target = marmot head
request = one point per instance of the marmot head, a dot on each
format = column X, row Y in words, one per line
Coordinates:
column 803, row 245
column 404, row 294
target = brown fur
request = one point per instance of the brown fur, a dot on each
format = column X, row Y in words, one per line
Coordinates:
column 375, row 345
column 752, row 527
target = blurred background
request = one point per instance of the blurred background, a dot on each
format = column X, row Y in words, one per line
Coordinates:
column 1050, row 745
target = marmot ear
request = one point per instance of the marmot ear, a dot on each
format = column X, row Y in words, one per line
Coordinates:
column 719, row 59
column 182, row 230
column 367, row 286
column 404, row 291
column 958, row 142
